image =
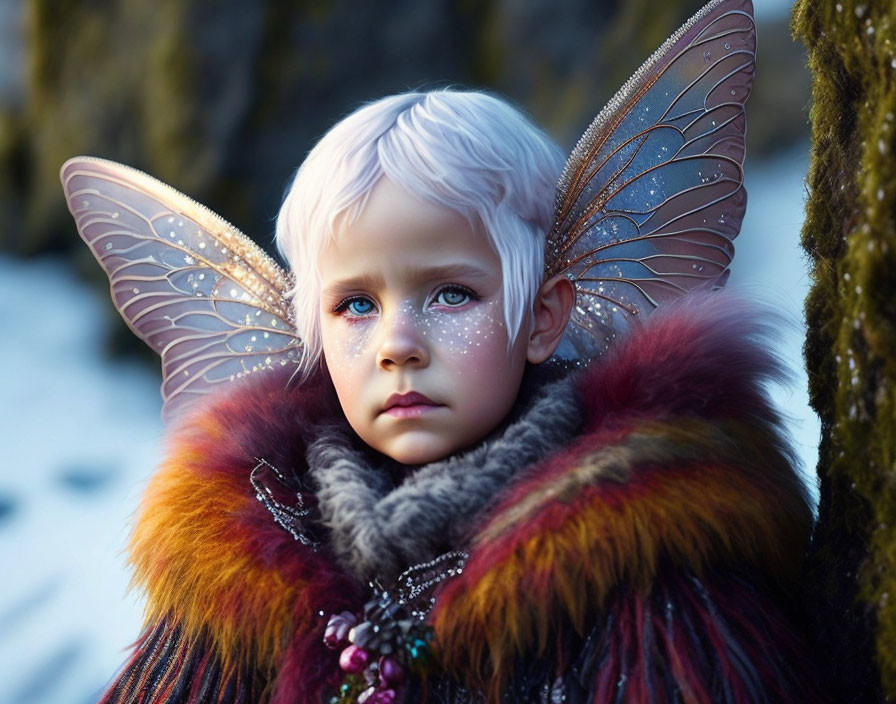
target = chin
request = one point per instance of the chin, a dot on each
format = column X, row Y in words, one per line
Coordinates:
column 417, row 457
column 417, row 450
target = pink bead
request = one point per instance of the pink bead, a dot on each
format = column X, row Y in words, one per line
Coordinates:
column 391, row 670
column 353, row 659
column 384, row 696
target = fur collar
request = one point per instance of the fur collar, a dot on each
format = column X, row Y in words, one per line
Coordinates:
column 379, row 530
column 680, row 460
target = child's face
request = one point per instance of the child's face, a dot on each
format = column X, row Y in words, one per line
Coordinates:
column 413, row 328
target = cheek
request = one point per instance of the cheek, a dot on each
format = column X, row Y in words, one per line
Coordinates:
column 474, row 350
column 346, row 342
column 345, row 347
column 471, row 339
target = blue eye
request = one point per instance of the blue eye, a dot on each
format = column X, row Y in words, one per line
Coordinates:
column 357, row 307
column 454, row 296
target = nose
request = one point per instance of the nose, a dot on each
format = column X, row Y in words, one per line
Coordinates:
column 402, row 343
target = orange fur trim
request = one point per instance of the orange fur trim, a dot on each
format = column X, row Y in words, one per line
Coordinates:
column 211, row 558
column 197, row 569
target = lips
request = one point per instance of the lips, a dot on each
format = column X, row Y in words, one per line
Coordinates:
column 409, row 405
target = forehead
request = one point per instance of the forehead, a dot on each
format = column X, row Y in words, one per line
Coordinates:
column 399, row 231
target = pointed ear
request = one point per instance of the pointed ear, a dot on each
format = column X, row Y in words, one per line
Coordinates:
column 553, row 305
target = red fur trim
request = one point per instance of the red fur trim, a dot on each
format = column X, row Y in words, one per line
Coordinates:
column 682, row 462
column 706, row 355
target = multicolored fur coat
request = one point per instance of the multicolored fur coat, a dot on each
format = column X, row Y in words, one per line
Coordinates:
column 634, row 534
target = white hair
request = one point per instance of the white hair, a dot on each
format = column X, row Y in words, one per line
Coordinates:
column 465, row 150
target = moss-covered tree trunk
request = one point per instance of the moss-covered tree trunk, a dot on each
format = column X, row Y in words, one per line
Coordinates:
column 850, row 237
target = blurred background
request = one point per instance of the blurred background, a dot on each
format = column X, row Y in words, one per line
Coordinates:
column 223, row 100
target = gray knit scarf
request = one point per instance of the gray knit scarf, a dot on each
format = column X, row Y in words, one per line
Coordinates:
column 378, row 528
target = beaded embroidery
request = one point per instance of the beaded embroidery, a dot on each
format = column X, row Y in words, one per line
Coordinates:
column 272, row 489
column 391, row 637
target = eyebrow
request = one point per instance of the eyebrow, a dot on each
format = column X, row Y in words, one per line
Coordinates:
column 447, row 271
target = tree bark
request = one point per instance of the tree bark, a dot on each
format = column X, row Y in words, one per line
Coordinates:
column 850, row 349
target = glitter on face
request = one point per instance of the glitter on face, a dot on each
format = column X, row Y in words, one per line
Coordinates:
column 411, row 304
column 459, row 333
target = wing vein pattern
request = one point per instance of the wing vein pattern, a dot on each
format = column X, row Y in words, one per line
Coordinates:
column 652, row 196
column 201, row 294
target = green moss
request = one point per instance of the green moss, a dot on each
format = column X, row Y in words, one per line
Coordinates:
column 639, row 27
column 850, row 236
column 171, row 102
column 83, row 63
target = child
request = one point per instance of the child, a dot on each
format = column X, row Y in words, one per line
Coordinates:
column 456, row 515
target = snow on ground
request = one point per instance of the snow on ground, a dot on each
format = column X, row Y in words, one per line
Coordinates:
column 84, row 433
column 81, row 435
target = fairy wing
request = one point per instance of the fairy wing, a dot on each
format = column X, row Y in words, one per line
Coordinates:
column 652, row 195
column 194, row 288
